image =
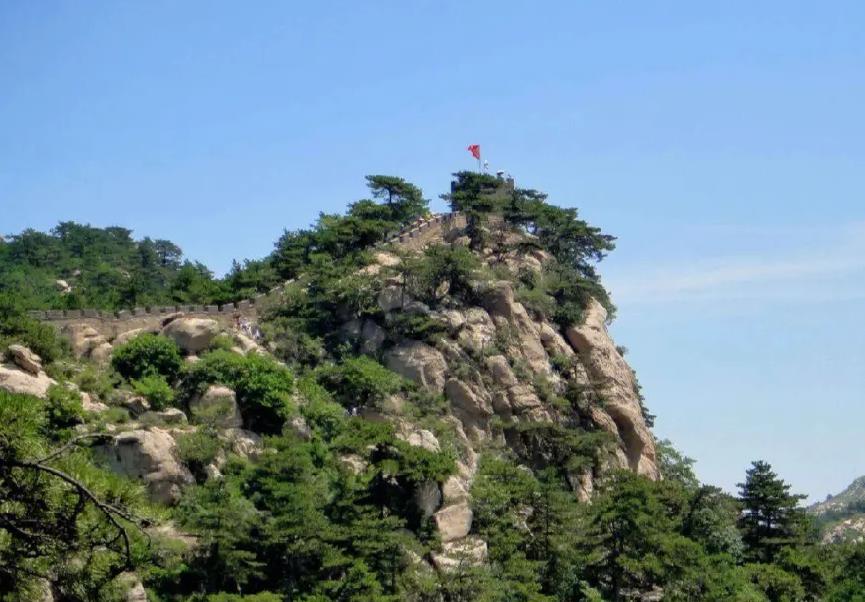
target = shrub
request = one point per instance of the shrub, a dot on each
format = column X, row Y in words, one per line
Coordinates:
column 222, row 341
column 419, row 327
column 155, row 389
column 63, row 408
column 197, row 450
column 543, row 387
column 263, row 386
column 146, row 355
column 92, row 379
column 536, row 301
column 503, row 337
column 17, row 327
column 441, row 268
column 561, row 362
column 115, row 415
column 521, row 369
column 360, row 381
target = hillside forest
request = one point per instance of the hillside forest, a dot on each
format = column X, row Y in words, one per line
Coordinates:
column 419, row 424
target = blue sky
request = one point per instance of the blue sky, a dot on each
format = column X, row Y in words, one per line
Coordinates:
column 721, row 142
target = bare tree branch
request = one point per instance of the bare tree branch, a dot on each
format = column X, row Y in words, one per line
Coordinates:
column 70, row 444
column 111, row 512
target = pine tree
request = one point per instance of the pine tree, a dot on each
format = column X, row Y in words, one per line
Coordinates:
column 771, row 518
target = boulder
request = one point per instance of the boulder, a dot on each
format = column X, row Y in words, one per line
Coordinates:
column 427, row 498
column 373, row 337
column 517, row 263
column 136, row 593
column 502, row 403
column 455, row 319
column 25, row 359
column 219, row 404
column 125, row 337
column 500, row 369
column 63, row 287
column 523, row 398
column 416, row 307
column 171, row 416
column 465, row 398
column 192, row 334
column 247, row 345
column 391, row 298
column 380, row 260
column 541, row 255
column 617, row 386
column 454, row 522
column 454, row 490
column 42, row 591
column 393, row 405
column 149, row 455
column 170, row 318
column 582, row 484
column 458, row 555
column 136, row 404
column 244, row 443
column 101, row 353
column 96, row 407
column 552, row 341
column 353, row 463
column 418, row 362
column 84, row 339
column 15, row 380
column 425, row 439
column 479, row 330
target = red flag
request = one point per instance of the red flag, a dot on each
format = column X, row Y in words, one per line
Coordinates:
column 475, row 150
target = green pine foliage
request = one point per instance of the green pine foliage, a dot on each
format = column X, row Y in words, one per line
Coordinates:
column 17, row 327
column 105, row 267
column 330, row 508
column 343, row 238
column 155, row 389
column 441, row 269
column 263, row 386
column 771, row 517
column 360, row 382
column 147, row 355
column 53, row 521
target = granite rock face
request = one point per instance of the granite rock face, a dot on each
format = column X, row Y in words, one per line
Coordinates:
column 192, row 334
column 151, row 456
column 618, row 386
column 418, row 362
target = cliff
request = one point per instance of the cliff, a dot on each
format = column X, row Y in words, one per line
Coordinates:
column 367, row 394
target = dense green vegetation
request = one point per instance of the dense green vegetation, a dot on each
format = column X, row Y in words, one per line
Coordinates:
column 107, row 268
column 56, row 505
column 565, row 287
column 333, row 508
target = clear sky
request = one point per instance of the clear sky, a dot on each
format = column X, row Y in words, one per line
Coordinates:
column 723, row 143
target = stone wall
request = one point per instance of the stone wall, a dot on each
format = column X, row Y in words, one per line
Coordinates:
column 414, row 236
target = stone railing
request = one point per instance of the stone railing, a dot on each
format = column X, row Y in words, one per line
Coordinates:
column 418, row 226
column 242, row 307
column 421, row 227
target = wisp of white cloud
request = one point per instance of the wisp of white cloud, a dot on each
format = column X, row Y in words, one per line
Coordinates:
column 838, row 266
